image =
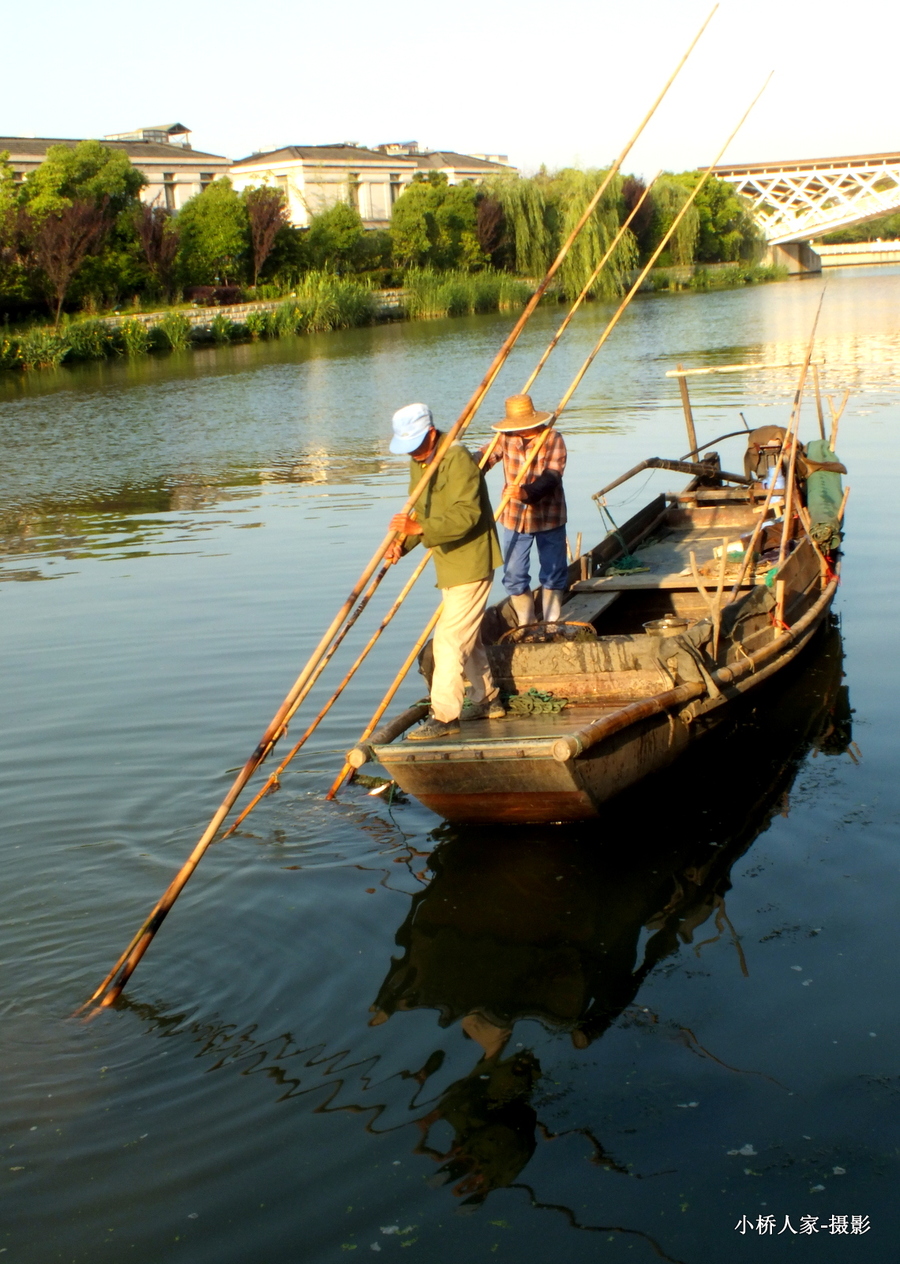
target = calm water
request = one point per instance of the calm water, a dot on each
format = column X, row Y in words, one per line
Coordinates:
column 699, row 986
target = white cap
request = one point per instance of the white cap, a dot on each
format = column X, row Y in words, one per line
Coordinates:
column 411, row 424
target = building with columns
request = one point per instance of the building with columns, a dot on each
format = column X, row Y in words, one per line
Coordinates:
column 316, row 177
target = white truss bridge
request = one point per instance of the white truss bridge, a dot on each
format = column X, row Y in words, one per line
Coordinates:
column 796, row 201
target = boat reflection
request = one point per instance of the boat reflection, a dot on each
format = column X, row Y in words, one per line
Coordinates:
column 549, row 927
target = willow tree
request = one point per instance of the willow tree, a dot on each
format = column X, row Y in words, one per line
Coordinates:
column 569, row 193
column 525, row 214
column 668, row 196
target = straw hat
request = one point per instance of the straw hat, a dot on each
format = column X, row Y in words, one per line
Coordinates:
column 520, row 415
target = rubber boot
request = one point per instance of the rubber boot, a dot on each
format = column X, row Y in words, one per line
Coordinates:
column 523, row 604
column 552, row 601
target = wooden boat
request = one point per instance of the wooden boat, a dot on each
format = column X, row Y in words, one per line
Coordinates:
column 671, row 653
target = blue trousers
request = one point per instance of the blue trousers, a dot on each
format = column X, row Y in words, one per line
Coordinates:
column 551, row 548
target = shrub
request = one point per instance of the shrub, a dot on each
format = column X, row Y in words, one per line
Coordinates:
column 213, row 295
column 10, row 353
column 89, row 340
column 222, row 329
column 261, row 324
column 176, row 330
column 42, row 349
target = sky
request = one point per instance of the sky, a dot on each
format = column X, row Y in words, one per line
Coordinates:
column 560, row 83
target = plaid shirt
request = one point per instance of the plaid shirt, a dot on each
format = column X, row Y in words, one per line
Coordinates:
column 549, row 510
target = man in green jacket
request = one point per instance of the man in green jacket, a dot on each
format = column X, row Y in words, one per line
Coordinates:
column 454, row 518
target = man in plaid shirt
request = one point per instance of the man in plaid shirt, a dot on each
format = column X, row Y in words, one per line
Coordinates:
column 536, row 513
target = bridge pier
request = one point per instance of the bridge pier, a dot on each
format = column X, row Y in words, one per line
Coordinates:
column 797, row 256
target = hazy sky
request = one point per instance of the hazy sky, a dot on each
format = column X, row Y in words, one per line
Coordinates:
column 564, row 81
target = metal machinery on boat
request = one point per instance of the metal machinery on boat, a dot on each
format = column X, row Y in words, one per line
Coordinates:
column 701, row 619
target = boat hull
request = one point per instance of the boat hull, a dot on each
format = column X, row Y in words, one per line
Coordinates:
column 488, row 779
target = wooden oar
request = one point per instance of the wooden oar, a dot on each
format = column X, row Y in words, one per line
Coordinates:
column 276, row 728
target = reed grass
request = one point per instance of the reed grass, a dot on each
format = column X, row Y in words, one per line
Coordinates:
column 135, row 337
column 175, row 329
column 431, row 294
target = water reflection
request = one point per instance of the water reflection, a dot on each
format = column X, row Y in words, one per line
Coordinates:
column 566, row 930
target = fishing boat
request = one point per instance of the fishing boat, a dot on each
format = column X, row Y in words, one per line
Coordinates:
column 698, row 599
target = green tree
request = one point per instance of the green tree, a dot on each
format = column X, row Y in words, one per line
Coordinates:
column 525, row 221
column 668, row 196
column 568, row 194
column 86, row 172
column 334, row 237
column 214, row 236
column 85, row 175
column 435, row 224
column 413, row 229
column 726, row 231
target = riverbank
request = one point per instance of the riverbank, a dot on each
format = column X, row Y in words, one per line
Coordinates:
column 321, row 304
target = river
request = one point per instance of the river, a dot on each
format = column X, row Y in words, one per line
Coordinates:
column 698, row 985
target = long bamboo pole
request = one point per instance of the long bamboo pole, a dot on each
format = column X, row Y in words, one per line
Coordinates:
column 657, row 252
column 273, row 778
column 819, row 413
column 276, row 727
column 790, row 431
column 570, row 391
column 588, row 286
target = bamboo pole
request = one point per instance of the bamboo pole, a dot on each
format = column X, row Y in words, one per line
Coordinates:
column 793, row 425
column 587, row 287
column 717, row 616
column 836, row 416
column 819, row 412
column 570, row 391
column 653, row 258
column 787, row 525
column 276, row 727
column 686, row 406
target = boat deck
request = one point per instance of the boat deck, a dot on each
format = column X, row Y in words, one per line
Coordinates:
column 511, row 731
column 669, row 560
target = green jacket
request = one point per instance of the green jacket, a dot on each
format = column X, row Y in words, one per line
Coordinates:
column 457, row 519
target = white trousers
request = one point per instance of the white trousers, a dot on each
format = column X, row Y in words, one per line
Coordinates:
column 458, row 652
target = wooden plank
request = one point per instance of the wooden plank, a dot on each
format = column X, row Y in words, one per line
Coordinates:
column 585, row 607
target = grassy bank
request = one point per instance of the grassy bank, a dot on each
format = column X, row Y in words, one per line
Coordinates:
column 320, row 303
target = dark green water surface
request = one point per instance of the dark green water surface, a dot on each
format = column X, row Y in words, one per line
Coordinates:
column 362, row 1030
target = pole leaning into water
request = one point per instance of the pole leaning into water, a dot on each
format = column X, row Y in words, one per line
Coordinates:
column 111, row 988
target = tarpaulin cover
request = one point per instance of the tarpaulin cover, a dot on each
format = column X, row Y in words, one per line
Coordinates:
column 823, row 496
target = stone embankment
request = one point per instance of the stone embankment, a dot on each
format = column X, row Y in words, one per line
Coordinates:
column 389, row 305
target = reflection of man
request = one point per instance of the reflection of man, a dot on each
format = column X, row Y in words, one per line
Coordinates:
column 536, row 513
column 454, row 519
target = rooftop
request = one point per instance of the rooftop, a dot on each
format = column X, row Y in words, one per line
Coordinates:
column 342, row 152
column 36, row 147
